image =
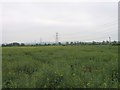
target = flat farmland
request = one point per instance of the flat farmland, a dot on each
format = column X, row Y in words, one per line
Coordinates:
column 88, row 66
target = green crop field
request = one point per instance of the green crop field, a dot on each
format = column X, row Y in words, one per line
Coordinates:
column 88, row 66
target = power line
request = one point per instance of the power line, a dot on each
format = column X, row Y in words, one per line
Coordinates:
column 102, row 27
column 40, row 40
column 109, row 39
column 56, row 37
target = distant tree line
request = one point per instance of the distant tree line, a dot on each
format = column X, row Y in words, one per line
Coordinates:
column 63, row 44
column 13, row 44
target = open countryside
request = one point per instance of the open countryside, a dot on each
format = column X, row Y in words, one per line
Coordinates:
column 72, row 66
column 59, row 44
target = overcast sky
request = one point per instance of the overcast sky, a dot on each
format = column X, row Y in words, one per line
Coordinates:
column 78, row 21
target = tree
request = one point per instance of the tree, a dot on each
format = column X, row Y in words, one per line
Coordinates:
column 71, row 43
column 67, row 43
column 3, row 45
column 107, row 42
column 15, row 44
column 103, row 42
column 94, row 43
column 114, row 43
column 59, row 43
column 22, row 44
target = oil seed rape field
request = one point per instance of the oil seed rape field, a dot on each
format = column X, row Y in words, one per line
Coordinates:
column 88, row 66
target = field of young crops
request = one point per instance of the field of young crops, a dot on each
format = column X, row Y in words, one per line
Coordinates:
column 89, row 66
